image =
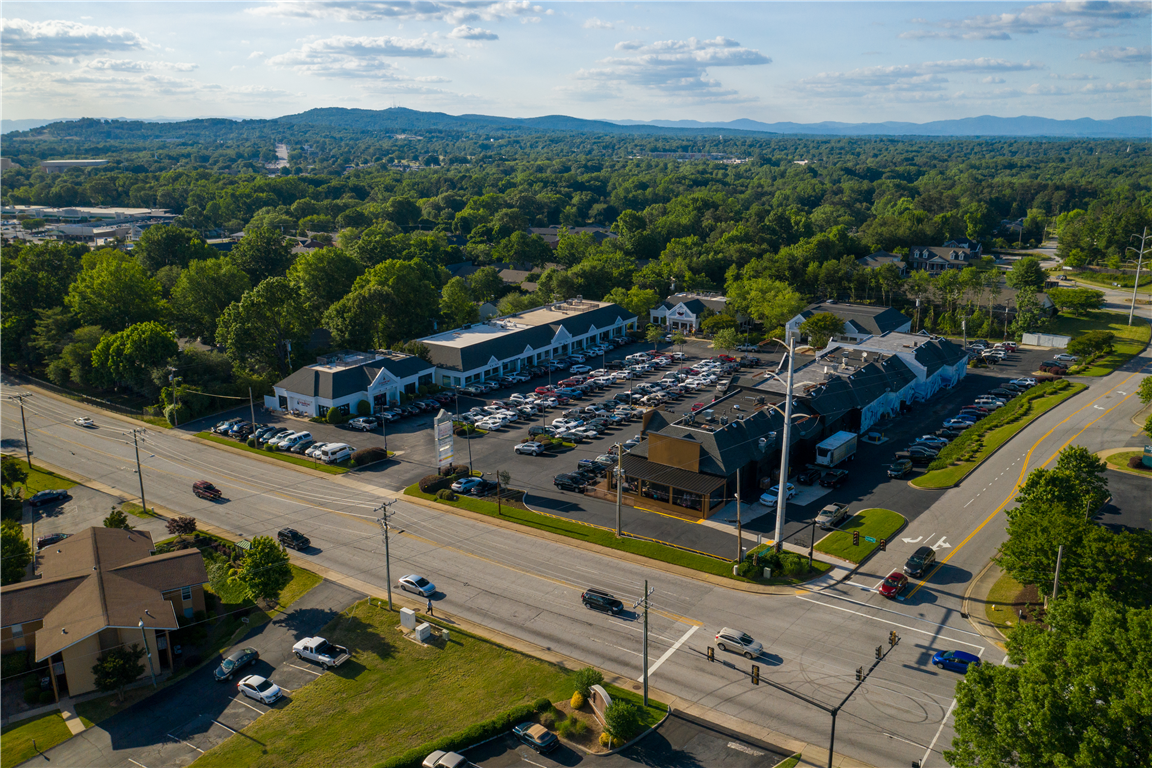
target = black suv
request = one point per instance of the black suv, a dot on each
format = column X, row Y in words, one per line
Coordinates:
column 293, row 539
column 834, row 478
column 807, row 476
column 921, row 560
column 569, row 483
column 599, row 600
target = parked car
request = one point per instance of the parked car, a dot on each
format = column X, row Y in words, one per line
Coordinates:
column 417, row 585
column 1026, row 381
column 915, row 458
column 303, row 446
column 322, row 652
column 900, row 468
column 530, row 448
column 224, row 426
column 442, row 759
column 832, row 515
column 955, row 661
column 49, row 539
column 894, row 584
column 933, row 440
column 536, row 736
column 599, row 600
column 834, row 478
column 569, row 482
column 234, row 662
column 465, row 484
column 957, row 424
column 259, row 688
column 808, row 476
column 1064, row 357
column 999, row 392
column 363, row 423
column 922, row 450
column 738, row 642
column 768, row 499
column 50, row 496
column 920, row 561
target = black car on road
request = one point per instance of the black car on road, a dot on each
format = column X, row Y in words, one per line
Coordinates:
column 293, row 539
column 599, row 600
column 920, row 561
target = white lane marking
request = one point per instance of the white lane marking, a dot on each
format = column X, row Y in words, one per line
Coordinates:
column 893, row 623
column 136, row 763
column 862, row 586
column 186, row 743
column 626, row 650
column 747, row 749
column 309, row 671
column 888, row 610
column 938, row 730
column 941, row 544
column 964, row 505
column 533, row 762
column 669, row 652
column 241, row 701
column 229, row 728
column 894, row 736
column 912, row 541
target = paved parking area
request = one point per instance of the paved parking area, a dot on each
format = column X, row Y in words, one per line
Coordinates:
column 1129, row 508
column 681, row 741
column 87, row 508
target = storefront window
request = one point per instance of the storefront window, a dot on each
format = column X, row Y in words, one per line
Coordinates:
column 686, row 499
column 716, row 499
column 656, row 491
column 630, row 484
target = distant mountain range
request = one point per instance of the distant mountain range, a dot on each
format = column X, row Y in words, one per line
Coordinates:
column 402, row 120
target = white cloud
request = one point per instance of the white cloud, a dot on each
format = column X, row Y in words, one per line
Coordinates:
column 1073, row 76
column 343, row 56
column 595, row 23
column 465, row 32
column 1077, row 20
column 51, row 40
column 992, row 80
column 678, row 67
column 256, row 54
column 416, row 10
column 928, row 76
column 1115, row 53
column 127, row 65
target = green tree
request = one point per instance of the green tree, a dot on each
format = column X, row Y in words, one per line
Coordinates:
column 15, row 550
column 418, row 283
column 717, row 323
column 164, row 245
column 203, row 292
column 585, row 678
column 259, row 329
column 265, row 571
column 262, row 253
column 324, row 276
column 679, row 340
column 130, row 356
column 1069, row 696
column 622, row 719
column 380, row 243
column 1092, row 343
column 14, row 472
column 726, row 339
column 456, row 303
column 767, row 301
column 1026, row 275
column 117, row 668
column 522, row 248
column 1030, row 316
column 75, row 363
column 1078, row 301
column 821, row 328
column 117, row 519
column 1145, row 390
column 33, row 278
column 486, row 284
column 52, row 332
column 113, row 291
column 654, row 334
column 362, row 319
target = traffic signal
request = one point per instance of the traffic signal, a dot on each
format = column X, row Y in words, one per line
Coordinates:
column 711, row 653
column 883, row 545
column 879, row 652
column 892, row 637
column 755, row 674
column 855, row 538
column 859, row 674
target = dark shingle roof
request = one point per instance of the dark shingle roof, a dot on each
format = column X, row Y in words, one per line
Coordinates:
column 874, row 320
column 333, row 384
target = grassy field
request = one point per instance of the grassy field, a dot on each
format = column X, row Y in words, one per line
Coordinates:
column 980, row 441
column 875, row 523
column 392, row 696
column 1105, row 280
column 597, row 535
column 289, row 458
column 1004, row 599
column 42, row 480
column 136, row 510
column 220, row 637
column 1120, row 461
column 16, row 739
column 1130, row 339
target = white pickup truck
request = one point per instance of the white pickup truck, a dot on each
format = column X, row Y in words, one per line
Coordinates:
column 322, row 652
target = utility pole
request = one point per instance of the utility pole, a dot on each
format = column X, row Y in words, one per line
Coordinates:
column 739, row 527
column 647, row 593
column 144, row 635
column 499, row 508
column 619, row 484
column 1139, row 263
column 27, row 448
column 252, row 407
column 811, row 544
column 383, row 521
column 782, row 490
column 1056, row 583
column 139, row 471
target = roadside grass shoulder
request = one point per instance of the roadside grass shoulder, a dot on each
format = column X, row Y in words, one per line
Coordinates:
column 873, row 523
column 1006, row 597
column 43, row 480
column 790, row 762
column 1104, row 280
column 1120, row 461
column 288, row 458
column 1130, row 339
column 977, row 443
column 394, row 701
column 136, row 510
column 16, row 739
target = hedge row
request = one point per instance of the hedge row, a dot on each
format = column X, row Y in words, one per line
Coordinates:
column 970, row 440
column 462, row 739
column 432, row 484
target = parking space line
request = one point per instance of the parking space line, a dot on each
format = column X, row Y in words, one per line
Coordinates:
column 309, row 671
column 226, row 727
column 136, row 763
column 669, row 652
column 238, row 700
column 186, row 743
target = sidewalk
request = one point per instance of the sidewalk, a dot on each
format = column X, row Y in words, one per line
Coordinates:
column 976, row 597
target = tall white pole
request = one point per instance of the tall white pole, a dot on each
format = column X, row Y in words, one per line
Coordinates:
column 619, row 484
column 739, row 526
column 782, row 494
column 1139, row 262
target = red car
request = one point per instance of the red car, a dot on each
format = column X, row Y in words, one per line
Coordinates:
column 894, row 584
column 545, row 390
column 697, row 407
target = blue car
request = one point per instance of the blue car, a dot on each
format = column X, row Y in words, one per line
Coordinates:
column 536, row 736
column 956, row 661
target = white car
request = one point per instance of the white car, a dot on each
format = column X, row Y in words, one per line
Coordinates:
column 586, row 433
column 518, row 398
column 84, row 421
column 580, row 369
column 738, row 642
column 1027, row 381
column 279, row 440
column 769, row 498
column 598, row 373
column 313, row 451
column 259, row 688
column 577, row 358
column 530, row 448
column 417, row 585
column 1064, row 357
column 489, row 425
column 990, row 402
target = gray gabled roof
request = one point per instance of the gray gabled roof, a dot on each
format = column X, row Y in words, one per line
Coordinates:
column 864, row 318
column 322, row 382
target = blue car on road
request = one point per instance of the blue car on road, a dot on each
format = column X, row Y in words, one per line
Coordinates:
column 956, row 661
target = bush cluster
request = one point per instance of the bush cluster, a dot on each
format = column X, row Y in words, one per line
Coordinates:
column 433, row 484
column 446, row 494
column 366, row 456
column 781, row 563
column 462, row 739
column 1135, row 462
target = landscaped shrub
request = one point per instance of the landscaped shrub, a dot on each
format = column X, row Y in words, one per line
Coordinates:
column 46, row 698
column 13, row 664
column 366, row 456
column 577, row 701
column 1135, row 462
column 32, row 696
column 177, row 414
column 585, row 678
column 446, row 494
column 605, row 739
column 182, row 525
column 363, row 408
column 542, row 705
column 334, row 416
column 622, row 719
column 251, row 442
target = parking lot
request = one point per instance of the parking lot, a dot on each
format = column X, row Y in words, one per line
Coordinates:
column 867, row 486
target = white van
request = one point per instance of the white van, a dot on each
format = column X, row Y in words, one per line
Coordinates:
column 336, row 452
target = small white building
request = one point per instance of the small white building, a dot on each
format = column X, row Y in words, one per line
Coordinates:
column 342, row 379
column 860, row 320
column 685, row 311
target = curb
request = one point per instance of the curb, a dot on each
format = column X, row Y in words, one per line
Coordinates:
column 266, row 459
column 967, row 613
column 667, row 715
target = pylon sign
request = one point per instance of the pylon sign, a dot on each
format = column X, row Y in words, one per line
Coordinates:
column 442, row 429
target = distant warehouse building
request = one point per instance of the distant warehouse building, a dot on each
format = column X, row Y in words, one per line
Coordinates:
column 57, row 166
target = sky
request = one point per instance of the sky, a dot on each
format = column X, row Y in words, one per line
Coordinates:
column 770, row 61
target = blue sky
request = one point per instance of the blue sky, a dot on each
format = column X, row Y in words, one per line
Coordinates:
column 770, row 61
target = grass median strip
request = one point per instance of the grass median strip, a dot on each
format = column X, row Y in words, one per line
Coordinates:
column 873, row 523
column 47, row 731
column 332, row 469
column 1120, row 461
column 394, row 697
column 977, row 443
column 600, row 536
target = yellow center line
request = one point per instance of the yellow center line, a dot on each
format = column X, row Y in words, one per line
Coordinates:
column 1024, row 471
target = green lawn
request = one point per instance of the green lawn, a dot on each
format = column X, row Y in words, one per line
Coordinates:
column 42, row 480
column 790, row 762
column 16, row 739
column 1120, row 461
column 136, row 510
column 978, row 442
column 1130, row 339
column 596, row 535
column 875, row 523
column 393, row 696
column 1105, row 280
column 1005, row 598
column 290, row 458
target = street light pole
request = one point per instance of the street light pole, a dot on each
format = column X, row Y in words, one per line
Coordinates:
column 27, row 448
column 1139, row 263
column 383, row 521
column 144, row 635
column 782, row 489
column 644, row 600
column 619, row 484
column 739, row 526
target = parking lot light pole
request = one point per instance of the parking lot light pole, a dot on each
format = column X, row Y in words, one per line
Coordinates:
column 619, row 484
column 782, row 488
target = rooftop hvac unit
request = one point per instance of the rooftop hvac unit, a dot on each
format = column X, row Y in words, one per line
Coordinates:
column 723, row 421
column 763, row 443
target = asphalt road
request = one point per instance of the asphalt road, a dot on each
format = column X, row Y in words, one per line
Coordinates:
column 529, row 587
column 191, row 716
